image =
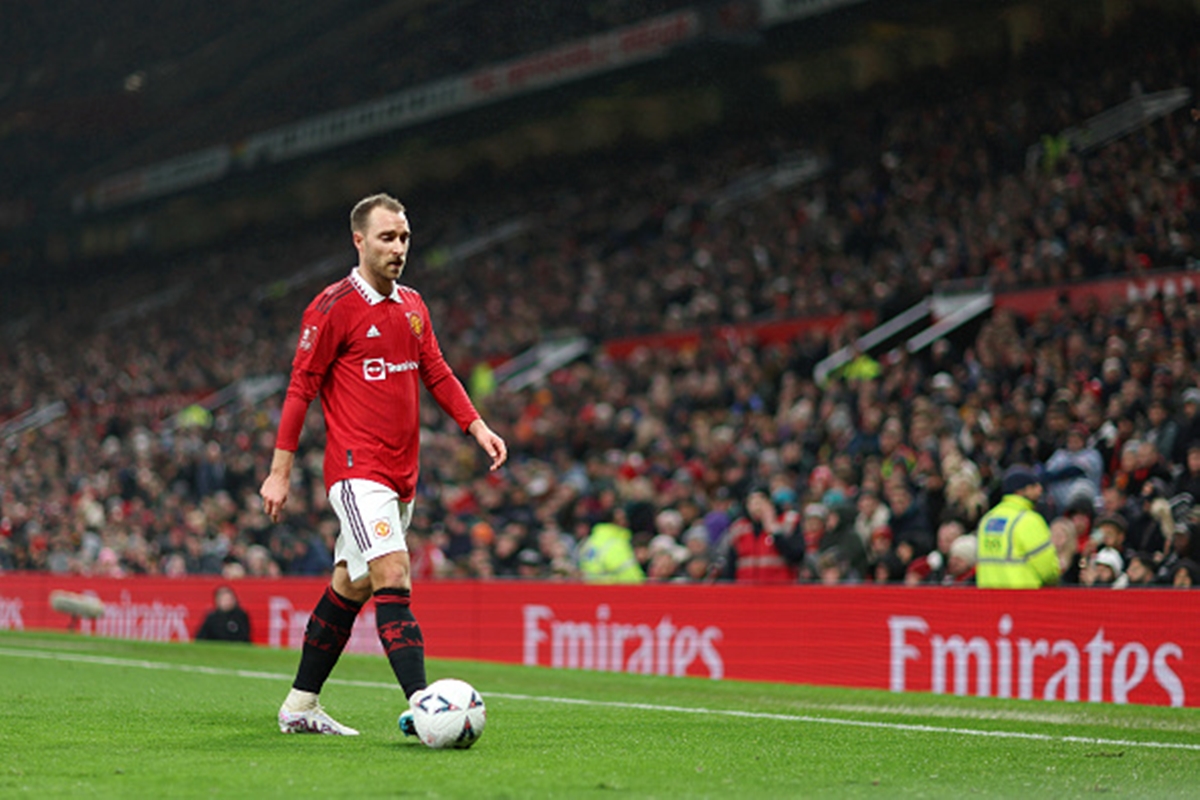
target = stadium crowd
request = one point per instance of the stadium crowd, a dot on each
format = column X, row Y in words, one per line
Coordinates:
column 876, row 475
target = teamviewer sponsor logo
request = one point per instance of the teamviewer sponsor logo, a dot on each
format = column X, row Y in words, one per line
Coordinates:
column 377, row 369
column 374, row 369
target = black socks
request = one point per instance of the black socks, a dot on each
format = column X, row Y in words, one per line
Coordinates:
column 324, row 639
column 401, row 638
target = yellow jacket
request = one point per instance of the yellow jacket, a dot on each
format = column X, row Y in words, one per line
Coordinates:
column 607, row 556
column 1014, row 547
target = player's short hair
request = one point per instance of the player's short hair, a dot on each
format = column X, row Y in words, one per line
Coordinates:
column 363, row 208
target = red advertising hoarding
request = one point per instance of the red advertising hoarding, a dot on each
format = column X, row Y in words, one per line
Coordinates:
column 1060, row 644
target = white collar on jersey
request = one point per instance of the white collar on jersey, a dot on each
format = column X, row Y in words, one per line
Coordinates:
column 369, row 293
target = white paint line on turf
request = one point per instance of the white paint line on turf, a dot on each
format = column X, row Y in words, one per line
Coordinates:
column 112, row 661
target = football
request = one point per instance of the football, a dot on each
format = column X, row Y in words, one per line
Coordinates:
column 449, row 713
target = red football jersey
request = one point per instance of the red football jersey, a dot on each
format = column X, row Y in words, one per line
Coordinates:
column 364, row 353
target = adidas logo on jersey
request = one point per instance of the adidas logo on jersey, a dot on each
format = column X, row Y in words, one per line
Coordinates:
column 373, row 333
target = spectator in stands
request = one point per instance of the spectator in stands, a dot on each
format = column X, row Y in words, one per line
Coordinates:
column 837, row 539
column 1081, row 514
column 912, row 531
column 1076, row 452
column 1068, row 548
column 1103, row 569
column 965, row 499
column 227, row 621
column 760, row 550
column 1187, row 425
column 1151, row 525
column 530, row 565
column 1139, row 571
column 960, row 566
column 1186, row 574
column 1180, row 550
column 667, row 558
column 934, row 566
column 1110, row 532
column 1161, row 430
column 872, row 515
column 1188, row 480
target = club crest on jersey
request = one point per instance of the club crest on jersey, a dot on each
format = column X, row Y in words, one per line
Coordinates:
column 416, row 324
column 382, row 528
column 308, row 337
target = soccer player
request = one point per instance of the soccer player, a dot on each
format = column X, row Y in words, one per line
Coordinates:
column 366, row 342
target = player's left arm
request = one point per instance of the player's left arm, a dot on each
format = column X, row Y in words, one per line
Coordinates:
column 448, row 391
column 490, row 441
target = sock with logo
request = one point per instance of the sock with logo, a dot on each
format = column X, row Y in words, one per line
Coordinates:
column 401, row 638
column 325, row 638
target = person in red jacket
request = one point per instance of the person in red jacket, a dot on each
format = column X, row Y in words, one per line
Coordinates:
column 366, row 346
column 764, row 546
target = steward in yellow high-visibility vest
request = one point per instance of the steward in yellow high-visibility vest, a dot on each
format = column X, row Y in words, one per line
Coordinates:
column 606, row 556
column 1014, row 540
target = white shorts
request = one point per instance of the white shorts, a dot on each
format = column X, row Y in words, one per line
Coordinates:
column 374, row 523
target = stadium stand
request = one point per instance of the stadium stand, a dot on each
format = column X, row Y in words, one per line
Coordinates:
column 139, row 406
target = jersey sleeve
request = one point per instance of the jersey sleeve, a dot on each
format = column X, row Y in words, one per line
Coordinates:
column 316, row 348
column 319, row 341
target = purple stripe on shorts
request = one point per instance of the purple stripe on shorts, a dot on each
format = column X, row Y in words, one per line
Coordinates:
column 358, row 528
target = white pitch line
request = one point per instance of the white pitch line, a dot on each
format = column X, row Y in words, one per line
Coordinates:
column 894, row 726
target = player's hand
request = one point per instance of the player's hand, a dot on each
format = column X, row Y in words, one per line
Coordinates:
column 274, row 493
column 491, row 443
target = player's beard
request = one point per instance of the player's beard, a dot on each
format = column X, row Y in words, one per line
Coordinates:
column 384, row 266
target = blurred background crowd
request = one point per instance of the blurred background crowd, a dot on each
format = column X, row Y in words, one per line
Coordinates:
column 879, row 472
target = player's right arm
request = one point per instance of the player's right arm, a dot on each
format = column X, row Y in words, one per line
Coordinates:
column 301, row 390
column 315, row 350
column 275, row 488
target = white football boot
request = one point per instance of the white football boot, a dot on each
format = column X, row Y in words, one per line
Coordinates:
column 312, row 720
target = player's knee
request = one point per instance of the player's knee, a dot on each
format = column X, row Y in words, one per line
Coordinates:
column 390, row 572
column 391, row 580
column 358, row 591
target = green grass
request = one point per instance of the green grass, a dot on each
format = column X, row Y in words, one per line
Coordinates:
column 86, row 717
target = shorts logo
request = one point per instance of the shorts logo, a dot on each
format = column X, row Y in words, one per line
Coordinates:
column 382, row 528
column 308, row 337
column 416, row 324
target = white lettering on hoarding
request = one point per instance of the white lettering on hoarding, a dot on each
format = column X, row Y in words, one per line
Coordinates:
column 953, row 655
column 285, row 628
column 900, row 650
column 607, row 646
column 10, row 614
column 151, row 622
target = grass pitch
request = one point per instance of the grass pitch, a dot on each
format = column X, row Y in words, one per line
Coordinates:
column 89, row 717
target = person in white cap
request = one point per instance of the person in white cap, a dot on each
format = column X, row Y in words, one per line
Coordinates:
column 1105, row 569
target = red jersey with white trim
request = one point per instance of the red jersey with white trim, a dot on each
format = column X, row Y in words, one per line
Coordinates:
column 365, row 354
